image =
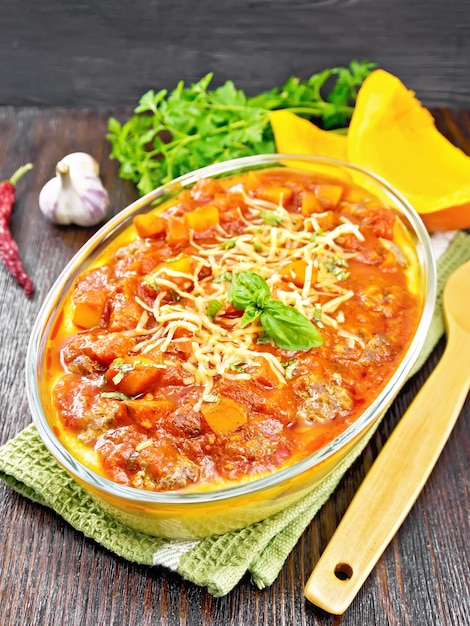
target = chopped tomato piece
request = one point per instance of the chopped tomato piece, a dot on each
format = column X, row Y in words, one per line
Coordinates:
column 123, row 310
column 98, row 345
column 380, row 221
column 206, row 189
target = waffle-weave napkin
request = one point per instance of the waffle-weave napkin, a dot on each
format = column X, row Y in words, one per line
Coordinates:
column 217, row 563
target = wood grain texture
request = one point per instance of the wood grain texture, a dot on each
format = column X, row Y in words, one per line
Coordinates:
column 398, row 475
column 51, row 574
column 84, row 53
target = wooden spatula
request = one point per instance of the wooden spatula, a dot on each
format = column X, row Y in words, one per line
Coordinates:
column 401, row 469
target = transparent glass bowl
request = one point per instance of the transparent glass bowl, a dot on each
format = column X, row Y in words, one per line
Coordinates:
column 194, row 515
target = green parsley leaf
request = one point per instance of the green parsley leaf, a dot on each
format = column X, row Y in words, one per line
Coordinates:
column 150, row 280
column 229, row 244
column 237, row 366
column 172, row 133
column 271, row 218
column 317, row 312
column 115, row 395
column 122, row 368
column 345, row 90
column 336, row 266
column 290, row 367
column 211, row 397
column 317, row 233
column 225, row 276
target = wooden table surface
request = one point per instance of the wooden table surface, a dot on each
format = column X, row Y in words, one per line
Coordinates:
column 51, row 575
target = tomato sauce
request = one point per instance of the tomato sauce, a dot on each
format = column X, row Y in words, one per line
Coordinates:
column 159, row 382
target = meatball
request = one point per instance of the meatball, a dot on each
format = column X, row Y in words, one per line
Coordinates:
column 322, row 399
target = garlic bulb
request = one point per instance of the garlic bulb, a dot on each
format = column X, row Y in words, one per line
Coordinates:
column 75, row 195
column 82, row 161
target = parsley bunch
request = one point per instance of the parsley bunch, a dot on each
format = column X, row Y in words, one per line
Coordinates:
column 173, row 133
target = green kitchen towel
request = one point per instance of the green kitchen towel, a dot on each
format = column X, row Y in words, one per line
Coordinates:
column 217, row 563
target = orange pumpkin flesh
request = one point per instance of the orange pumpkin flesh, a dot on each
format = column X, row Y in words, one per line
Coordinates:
column 393, row 135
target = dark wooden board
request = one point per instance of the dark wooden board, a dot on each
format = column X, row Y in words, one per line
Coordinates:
column 85, row 53
column 52, row 575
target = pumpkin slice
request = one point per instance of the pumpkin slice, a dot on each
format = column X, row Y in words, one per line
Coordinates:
column 296, row 135
column 393, row 135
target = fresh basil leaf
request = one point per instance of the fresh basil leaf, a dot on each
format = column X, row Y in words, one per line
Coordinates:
column 248, row 288
column 250, row 315
column 288, row 328
column 263, row 339
column 213, row 308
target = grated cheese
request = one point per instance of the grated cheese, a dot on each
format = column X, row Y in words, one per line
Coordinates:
column 263, row 249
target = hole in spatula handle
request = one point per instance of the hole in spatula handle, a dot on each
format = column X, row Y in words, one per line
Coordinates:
column 343, row 571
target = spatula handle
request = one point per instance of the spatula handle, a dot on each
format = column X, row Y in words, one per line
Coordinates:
column 393, row 483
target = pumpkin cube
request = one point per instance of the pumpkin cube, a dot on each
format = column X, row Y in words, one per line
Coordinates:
column 149, row 225
column 88, row 308
column 202, row 218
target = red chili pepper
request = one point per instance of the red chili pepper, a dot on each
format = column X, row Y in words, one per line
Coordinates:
column 9, row 253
